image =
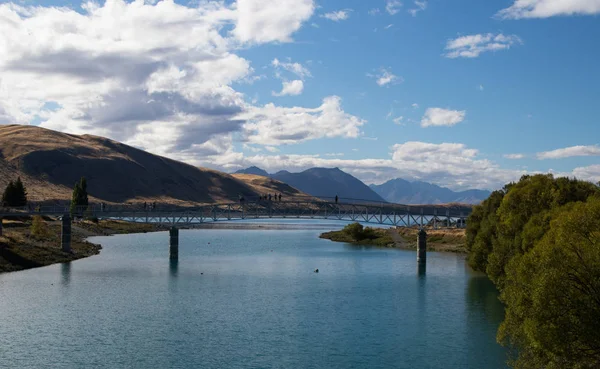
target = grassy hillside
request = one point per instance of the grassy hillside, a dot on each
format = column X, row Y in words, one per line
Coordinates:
column 50, row 162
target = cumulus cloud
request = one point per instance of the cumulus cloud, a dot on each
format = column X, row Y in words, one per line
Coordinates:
column 549, row 8
column 392, row 6
column 472, row 46
column 447, row 164
column 590, row 173
column 158, row 75
column 276, row 20
column 385, row 77
column 290, row 88
column 273, row 125
column 570, row 152
column 436, row 117
column 338, row 15
column 514, row 156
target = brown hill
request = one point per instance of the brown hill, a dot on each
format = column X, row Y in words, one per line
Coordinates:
column 266, row 185
column 50, row 162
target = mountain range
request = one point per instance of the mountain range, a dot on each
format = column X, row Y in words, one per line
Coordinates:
column 50, row 162
column 328, row 182
column 405, row 192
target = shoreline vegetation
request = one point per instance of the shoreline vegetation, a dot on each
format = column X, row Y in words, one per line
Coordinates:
column 538, row 241
column 35, row 242
column 440, row 240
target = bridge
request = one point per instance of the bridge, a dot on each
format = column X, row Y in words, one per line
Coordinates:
column 177, row 216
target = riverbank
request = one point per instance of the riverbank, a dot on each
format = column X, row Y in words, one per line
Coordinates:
column 442, row 240
column 21, row 248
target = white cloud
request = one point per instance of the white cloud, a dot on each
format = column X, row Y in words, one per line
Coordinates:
column 338, row 15
column 419, row 6
column 392, row 6
column 448, row 164
column 155, row 76
column 398, row 120
column 374, row 11
column 291, row 88
column 415, row 106
column 435, row 117
column 570, row 152
column 590, row 173
column 267, row 21
column 472, row 46
column 385, row 77
column 514, row 156
column 549, row 8
column 295, row 68
column 272, row 125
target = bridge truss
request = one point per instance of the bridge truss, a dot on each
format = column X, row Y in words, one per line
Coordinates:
column 377, row 213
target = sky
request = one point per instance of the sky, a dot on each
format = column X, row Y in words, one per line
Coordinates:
column 460, row 93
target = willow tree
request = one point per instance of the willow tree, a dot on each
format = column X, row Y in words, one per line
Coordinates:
column 552, row 294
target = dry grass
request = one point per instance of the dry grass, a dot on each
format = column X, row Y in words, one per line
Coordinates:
column 50, row 162
column 19, row 249
column 266, row 185
column 443, row 239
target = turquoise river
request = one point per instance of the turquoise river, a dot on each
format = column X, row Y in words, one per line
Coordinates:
column 249, row 299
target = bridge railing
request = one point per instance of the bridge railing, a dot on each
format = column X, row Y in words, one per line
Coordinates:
column 305, row 202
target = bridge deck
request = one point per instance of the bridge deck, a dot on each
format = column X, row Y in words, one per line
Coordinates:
column 380, row 213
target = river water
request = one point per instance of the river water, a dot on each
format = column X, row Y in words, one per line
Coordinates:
column 249, row 299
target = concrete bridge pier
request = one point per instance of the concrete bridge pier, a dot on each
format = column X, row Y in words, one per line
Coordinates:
column 66, row 233
column 174, row 243
column 422, row 247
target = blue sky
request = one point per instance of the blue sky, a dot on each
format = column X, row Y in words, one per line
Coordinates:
column 462, row 93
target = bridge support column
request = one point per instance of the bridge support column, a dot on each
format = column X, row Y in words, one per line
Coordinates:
column 65, row 239
column 422, row 247
column 174, row 242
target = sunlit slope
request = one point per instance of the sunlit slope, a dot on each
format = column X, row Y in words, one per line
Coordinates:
column 50, row 162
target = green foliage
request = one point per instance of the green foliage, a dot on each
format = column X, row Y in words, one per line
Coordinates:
column 39, row 228
column 79, row 199
column 481, row 230
column 511, row 221
column 552, row 293
column 14, row 194
column 354, row 230
column 538, row 241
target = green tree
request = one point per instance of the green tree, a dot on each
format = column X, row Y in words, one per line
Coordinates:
column 14, row 194
column 552, row 294
column 481, row 230
column 20, row 193
column 39, row 228
column 523, row 217
column 79, row 198
column 354, row 230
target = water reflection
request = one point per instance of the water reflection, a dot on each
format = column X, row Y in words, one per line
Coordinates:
column 173, row 266
column 421, row 269
column 65, row 271
column 483, row 308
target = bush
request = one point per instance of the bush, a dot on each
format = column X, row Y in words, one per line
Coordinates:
column 39, row 228
column 354, row 230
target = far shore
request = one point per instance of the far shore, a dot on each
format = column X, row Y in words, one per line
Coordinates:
column 441, row 240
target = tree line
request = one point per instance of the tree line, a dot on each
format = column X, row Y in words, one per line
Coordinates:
column 15, row 195
column 538, row 240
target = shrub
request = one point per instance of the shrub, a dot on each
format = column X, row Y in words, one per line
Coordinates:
column 39, row 228
column 354, row 230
